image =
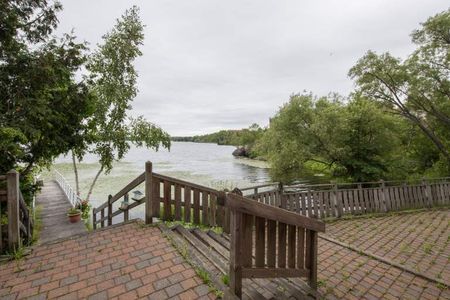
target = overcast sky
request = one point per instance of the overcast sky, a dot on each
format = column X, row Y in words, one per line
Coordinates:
column 210, row 65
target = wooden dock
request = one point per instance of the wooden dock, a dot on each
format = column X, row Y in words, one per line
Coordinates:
column 55, row 223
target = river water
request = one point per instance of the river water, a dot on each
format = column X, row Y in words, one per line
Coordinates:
column 206, row 164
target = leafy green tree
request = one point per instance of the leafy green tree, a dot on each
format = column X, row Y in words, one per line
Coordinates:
column 370, row 142
column 300, row 139
column 354, row 141
column 113, row 83
column 418, row 88
column 249, row 140
column 42, row 105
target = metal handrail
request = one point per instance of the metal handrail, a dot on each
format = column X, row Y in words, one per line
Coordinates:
column 74, row 199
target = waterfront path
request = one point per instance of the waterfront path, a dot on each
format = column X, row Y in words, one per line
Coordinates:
column 53, row 206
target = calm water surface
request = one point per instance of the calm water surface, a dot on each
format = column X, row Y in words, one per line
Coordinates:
column 207, row 164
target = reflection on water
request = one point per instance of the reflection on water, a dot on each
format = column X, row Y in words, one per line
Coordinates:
column 206, row 164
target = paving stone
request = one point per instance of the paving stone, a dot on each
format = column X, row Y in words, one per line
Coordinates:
column 92, row 274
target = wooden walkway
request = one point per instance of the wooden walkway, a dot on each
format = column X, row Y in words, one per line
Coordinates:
column 55, row 223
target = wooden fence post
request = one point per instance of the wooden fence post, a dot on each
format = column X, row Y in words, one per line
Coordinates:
column 14, row 241
column 281, row 197
column 148, row 193
column 337, row 199
column 441, row 186
column 94, row 218
column 447, row 191
column 406, row 196
column 235, row 254
column 384, row 197
column 362, row 203
column 126, row 211
column 102, row 217
column 428, row 195
column 313, row 259
column 109, row 210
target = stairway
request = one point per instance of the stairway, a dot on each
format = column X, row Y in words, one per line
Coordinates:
column 209, row 251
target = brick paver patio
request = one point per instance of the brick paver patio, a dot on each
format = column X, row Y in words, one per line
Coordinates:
column 420, row 241
column 404, row 239
column 135, row 261
column 123, row 262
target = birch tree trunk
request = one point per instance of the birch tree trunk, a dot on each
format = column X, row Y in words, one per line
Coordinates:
column 93, row 183
column 75, row 170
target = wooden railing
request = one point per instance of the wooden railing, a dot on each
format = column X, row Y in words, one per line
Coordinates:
column 70, row 193
column 19, row 229
column 106, row 209
column 167, row 198
column 335, row 200
column 285, row 243
column 184, row 201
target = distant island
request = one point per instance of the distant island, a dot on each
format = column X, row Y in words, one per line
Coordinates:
column 222, row 137
column 244, row 139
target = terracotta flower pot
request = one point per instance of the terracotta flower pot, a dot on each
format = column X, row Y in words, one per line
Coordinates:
column 74, row 218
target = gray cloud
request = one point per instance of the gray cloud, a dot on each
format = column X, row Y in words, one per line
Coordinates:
column 211, row 65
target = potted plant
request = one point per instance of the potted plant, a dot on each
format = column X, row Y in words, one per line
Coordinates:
column 74, row 215
column 85, row 208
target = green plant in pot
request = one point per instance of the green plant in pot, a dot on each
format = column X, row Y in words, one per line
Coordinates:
column 74, row 215
column 85, row 208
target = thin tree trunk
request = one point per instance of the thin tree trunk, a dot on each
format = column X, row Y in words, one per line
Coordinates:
column 75, row 170
column 93, row 183
column 430, row 134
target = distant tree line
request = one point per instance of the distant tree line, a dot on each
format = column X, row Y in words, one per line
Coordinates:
column 246, row 138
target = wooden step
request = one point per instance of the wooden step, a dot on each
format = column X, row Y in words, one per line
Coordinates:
column 193, row 255
column 210, row 251
column 293, row 288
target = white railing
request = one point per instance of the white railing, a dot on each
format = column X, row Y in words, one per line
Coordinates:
column 67, row 189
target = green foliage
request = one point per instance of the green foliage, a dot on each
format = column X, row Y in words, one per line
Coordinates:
column 37, row 223
column 18, row 254
column 395, row 125
column 293, row 138
column 371, row 141
column 247, row 137
column 418, row 88
column 3, row 219
column 43, row 103
column 225, row 279
column 352, row 140
column 427, row 248
column 222, row 137
column 85, row 208
column 112, row 78
column 250, row 140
